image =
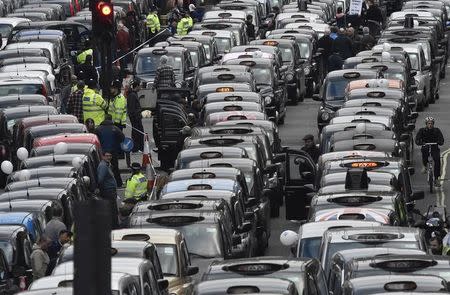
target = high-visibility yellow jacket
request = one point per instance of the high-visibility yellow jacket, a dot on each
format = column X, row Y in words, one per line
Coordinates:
column 136, row 186
column 153, row 22
column 93, row 106
column 183, row 26
column 81, row 58
column 118, row 109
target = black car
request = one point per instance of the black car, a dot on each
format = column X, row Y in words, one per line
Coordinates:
column 332, row 92
column 301, row 271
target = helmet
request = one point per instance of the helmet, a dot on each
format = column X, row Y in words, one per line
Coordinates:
column 116, row 84
column 135, row 166
column 428, row 119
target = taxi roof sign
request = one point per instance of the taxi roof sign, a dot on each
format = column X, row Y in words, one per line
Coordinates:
column 225, row 89
column 159, row 51
column 400, row 286
column 407, row 265
column 255, row 268
column 233, row 98
column 270, row 43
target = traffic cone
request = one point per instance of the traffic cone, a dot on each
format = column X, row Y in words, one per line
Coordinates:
column 147, row 163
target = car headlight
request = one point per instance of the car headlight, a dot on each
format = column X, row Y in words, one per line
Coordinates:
column 307, row 70
column 268, row 100
column 289, row 77
column 325, row 116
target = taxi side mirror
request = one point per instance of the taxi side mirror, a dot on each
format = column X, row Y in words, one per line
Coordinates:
column 251, row 202
column 307, row 175
column 192, row 270
column 413, row 115
column 316, row 97
column 279, row 158
column 163, row 284
column 245, row 227
column 236, row 240
column 417, row 195
column 404, row 137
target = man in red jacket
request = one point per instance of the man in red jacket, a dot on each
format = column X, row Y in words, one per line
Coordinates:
column 123, row 44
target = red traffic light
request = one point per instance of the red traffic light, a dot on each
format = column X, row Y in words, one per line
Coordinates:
column 104, row 8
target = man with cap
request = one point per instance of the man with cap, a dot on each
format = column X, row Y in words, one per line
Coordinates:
column 134, row 113
column 137, row 184
column 311, row 148
column 94, row 106
column 195, row 14
column 118, row 105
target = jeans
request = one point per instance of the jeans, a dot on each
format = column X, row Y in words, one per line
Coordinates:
column 435, row 153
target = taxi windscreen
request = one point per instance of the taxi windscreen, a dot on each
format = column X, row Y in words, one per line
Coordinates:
column 168, row 258
column 336, row 89
column 148, row 64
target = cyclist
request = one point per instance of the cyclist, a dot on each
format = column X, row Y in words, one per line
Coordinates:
column 431, row 134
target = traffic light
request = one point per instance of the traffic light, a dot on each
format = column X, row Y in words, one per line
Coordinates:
column 102, row 19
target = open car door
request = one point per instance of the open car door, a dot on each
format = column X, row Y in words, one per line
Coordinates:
column 300, row 174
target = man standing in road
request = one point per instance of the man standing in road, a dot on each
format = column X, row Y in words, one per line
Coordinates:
column 94, row 106
column 75, row 103
column 153, row 24
column 118, row 105
column 39, row 257
column 55, row 225
column 311, row 148
column 134, row 113
column 111, row 137
column 107, row 185
column 136, row 185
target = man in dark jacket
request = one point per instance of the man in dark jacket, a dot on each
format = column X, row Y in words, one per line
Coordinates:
column 311, row 148
column 250, row 28
column 325, row 42
column 367, row 40
column 134, row 114
column 111, row 137
column 107, row 186
column 431, row 134
column 343, row 45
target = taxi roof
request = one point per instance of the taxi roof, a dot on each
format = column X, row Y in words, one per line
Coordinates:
column 44, row 172
column 26, row 99
column 366, row 110
column 52, row 160
column 32, row 194
column 387, row 145
column 59, row 182
column 199, row 184
column 263, row 285
column 52, row 128
column 29, row 110
column 72, row 148
column 347, row 235
column 354, row 101
column 223, row 68
column 251, row 62
column 352, row 155
column 371, row 83
column 213, row 33
column 351, row 73
column 207, row 172
column 380, row 215
column 213, row 118
column 128, row 265
column 347, row 255
column 68, row 138
column 381, row 283
column 174, row 218
column 386, row 120
column 24, row 205
column 437, row 261
column 315, row 229
column 154, row 235
column 223, row 85
column 45, row 119
column 222, row 152
column 190, row 203
column 198, row 194
column 167, row 50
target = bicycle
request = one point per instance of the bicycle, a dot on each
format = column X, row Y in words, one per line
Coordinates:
column 430, row 166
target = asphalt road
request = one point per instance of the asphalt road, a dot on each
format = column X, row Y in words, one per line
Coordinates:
column 301, row 120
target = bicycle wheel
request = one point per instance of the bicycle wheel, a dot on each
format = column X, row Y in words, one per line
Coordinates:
column 430, row 178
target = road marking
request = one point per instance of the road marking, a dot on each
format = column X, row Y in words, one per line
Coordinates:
column 440, row 198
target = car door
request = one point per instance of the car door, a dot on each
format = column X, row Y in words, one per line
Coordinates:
column 171, row 123
column 300, row 173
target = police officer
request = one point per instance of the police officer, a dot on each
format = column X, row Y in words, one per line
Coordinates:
column 153, row 24
column 118, row 105
column 136, row 184
column 81, row 58
column 94, row 106
column 184, row 24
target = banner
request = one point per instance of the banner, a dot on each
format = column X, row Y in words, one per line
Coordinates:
column 355, row 7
